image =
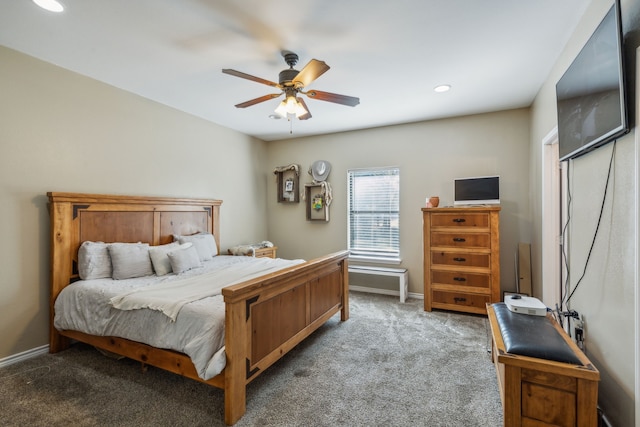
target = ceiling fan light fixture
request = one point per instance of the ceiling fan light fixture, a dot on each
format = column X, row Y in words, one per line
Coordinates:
column 281, row 110
column 50, row 5
column 290, row 107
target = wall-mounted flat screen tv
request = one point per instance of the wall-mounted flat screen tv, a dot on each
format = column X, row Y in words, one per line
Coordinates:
column 481, row 190
column 591, row 93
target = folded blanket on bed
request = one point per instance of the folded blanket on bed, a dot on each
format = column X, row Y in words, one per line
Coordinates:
column 170, row 297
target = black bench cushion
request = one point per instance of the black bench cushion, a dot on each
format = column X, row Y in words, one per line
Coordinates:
column 533, row 336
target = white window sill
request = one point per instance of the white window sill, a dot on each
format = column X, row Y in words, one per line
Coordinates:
column 374, row 260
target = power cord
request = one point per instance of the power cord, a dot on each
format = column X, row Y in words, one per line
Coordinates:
column 565, row 257
column 595, row 234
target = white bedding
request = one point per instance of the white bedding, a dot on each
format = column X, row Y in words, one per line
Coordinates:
column 198, row 330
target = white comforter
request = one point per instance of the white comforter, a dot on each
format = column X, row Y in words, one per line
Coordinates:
column 198, row 329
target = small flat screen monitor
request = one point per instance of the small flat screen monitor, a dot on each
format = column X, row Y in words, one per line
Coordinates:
column 482, row 190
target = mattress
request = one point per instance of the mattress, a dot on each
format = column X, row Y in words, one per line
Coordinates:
column 198, row 330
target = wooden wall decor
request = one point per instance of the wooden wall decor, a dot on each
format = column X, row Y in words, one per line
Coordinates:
column 288, row 178
column 317, row 202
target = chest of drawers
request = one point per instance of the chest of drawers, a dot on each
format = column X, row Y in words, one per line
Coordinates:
column 461, row 258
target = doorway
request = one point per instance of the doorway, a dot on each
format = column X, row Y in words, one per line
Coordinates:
column 551, row 220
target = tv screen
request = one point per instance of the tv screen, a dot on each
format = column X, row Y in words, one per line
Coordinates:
column 480, row 190
column 590, row 95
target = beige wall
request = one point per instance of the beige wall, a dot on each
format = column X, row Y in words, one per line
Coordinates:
column 430, row 155
column 63, row 132
column 607, row 293
column 60, row 131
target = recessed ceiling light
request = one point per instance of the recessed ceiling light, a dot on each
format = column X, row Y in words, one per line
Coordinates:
column 50, row 5
column 275, row 116
column 442, row 88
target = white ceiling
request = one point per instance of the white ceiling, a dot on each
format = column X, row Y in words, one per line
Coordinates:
column 390, row 54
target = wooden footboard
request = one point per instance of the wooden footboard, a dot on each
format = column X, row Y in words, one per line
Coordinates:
column 265, row 317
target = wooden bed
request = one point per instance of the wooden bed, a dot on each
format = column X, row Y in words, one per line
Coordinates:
column 264, row 317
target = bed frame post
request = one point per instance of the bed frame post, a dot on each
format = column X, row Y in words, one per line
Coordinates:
column 60, row 215
column 344, row 311
column 235, row 373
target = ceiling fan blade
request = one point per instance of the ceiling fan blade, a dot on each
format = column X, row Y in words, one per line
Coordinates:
column 351, row 101
column 308, row 114
column 310, row 72
column 249, row 77
column 258, row 100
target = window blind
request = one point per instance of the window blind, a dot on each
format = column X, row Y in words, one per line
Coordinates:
column 374, row 212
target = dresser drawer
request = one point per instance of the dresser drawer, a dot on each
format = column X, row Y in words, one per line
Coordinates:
column 460, row 299
column 460, row 259
column 480, row 220
column 461, row 279
column 461, row 240
column 266, row 252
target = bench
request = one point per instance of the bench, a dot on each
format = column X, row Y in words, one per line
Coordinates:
column 401, row 273
column 544, row 379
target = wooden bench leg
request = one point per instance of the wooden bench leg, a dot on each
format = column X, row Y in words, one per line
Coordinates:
column 404, row 286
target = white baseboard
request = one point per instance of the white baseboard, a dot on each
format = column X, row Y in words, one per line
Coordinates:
column 413, row 295
column 10, row 360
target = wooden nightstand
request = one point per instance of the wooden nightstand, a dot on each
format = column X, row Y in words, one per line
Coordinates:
column 263, row 252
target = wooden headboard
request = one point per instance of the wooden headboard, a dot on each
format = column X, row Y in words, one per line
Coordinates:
column 76, row 218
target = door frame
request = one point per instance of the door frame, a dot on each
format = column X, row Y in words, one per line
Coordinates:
column 551, row 220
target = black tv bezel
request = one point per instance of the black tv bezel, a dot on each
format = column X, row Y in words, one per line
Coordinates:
column 495, row 179
column 623, row 126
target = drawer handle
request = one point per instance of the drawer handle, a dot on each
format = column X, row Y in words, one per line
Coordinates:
column 459, row 220
column 459, row 279
column 459, row 239
column 459, row 299
column 459, row 259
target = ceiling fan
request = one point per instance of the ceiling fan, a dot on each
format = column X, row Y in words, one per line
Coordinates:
column 291, row 82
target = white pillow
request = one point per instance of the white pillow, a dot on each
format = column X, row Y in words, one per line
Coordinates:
column 184, row 259
column 130, row 260
column 159, row 257
column 204, row 243
column 94, row 261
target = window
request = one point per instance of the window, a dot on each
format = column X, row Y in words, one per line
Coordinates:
column 374, row 213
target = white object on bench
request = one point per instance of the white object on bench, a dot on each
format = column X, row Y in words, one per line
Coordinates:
column 401, row 273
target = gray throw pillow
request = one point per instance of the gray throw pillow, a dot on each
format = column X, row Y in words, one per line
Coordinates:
column 94, row 261
column 130, row 260
column 184, row 259
column 204, row 243
column 159, row 258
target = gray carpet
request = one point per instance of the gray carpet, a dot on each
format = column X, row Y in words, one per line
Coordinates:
column 391, row 364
